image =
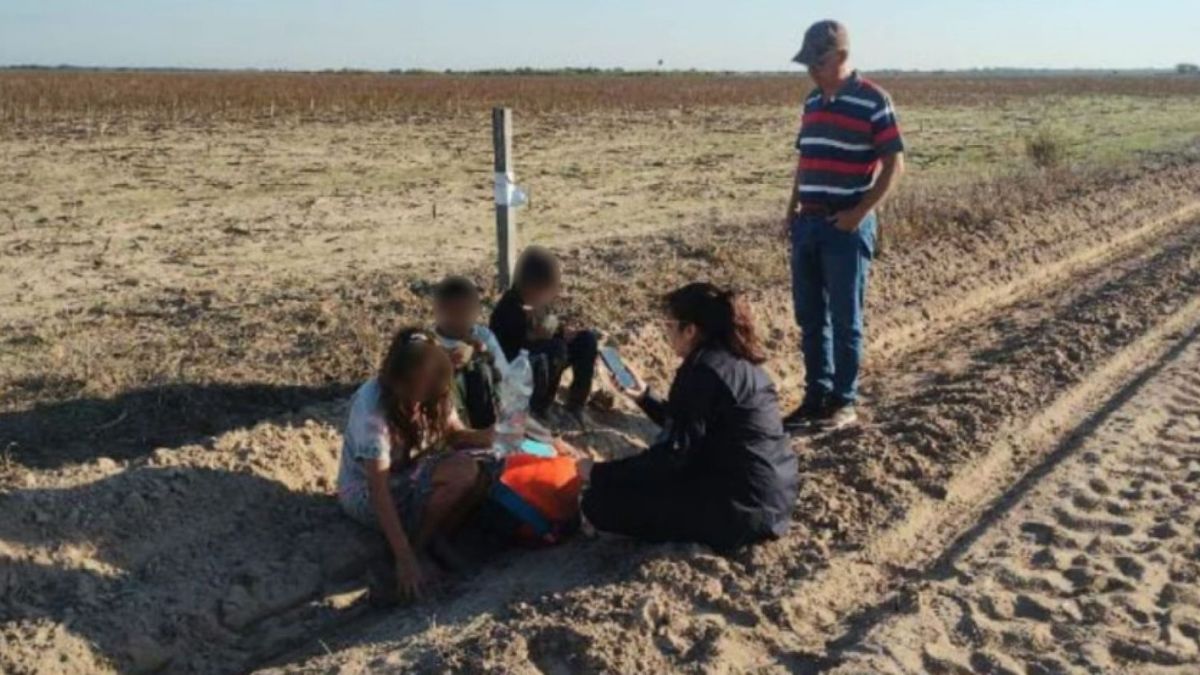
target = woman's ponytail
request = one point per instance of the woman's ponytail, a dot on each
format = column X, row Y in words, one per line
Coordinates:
column 723, row 317
column 744, row 340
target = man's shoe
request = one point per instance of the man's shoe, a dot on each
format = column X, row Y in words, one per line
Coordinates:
column 802, row 418
column 838, row 414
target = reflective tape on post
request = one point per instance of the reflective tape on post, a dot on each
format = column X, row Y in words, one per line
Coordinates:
column 507, row 192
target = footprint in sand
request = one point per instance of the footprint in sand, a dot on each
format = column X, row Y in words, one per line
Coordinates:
column 1130, row 567
column 1045, row 559
column 1163, row 531
column 1080, row 577
column 1026, row 607
column 1043, row 534
column 1086, row 524
column 1117, row 508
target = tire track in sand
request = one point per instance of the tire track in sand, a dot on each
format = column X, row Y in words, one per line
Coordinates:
column 1090, row 564
column 946, row 312
column 860, row 586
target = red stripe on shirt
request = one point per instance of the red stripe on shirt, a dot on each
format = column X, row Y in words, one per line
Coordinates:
column 869, row 84
column 835, row 166
column 837, row 120
column 887, row 134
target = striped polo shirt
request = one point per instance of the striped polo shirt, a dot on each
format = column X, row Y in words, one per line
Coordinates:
column 841, row 141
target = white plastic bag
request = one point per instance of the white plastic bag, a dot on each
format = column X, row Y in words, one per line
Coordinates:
column 516, row 386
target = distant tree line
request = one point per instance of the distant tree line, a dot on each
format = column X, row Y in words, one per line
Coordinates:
column 1188, row 69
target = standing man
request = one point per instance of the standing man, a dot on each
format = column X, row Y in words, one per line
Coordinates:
column 851, row 156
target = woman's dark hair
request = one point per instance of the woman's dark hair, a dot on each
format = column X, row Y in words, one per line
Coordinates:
column 723, row 318
column 415, row 424
column 537, row 268
column 455, row 288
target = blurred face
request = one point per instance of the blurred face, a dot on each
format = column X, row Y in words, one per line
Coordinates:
column 682, row 337
column 540, row 296
column 456, row 318
column 827, row 72
column 430, row 380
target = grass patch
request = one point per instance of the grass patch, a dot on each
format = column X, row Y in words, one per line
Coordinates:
column 1046, row 148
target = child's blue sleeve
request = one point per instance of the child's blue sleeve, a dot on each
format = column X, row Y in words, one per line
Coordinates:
column 369, row 439
column 375, row 449
column 488, row 338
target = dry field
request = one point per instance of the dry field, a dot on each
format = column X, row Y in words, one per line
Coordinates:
column 195, row 269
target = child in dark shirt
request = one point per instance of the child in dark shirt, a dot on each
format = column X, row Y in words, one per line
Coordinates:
column 523, row 319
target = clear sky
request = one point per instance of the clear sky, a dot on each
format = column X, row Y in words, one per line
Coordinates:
column 704, row 34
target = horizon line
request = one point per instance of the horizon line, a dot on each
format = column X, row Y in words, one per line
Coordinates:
column 583, row 70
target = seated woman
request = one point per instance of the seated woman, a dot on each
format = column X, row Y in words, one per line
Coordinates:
column 722, row 472
column 398, row 472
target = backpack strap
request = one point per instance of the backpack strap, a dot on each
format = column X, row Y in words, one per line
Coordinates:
column 506, row 497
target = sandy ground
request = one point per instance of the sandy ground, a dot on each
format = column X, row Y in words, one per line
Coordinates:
column 131, row 212
column 211, row 208
column 224, row 552
column 1089, row 565
column 949, row 419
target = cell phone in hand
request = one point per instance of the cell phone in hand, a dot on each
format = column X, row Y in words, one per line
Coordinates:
column 612, row 361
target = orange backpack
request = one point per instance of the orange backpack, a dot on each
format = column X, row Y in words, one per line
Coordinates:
column 537, row 498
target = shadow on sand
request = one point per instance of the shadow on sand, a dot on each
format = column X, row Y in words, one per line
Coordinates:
column 133, row 424
column 196, row 569
column 178, row 566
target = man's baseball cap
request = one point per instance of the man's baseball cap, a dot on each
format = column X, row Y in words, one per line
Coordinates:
column 820, row 39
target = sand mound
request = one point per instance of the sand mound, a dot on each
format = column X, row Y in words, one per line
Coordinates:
column 194, row 545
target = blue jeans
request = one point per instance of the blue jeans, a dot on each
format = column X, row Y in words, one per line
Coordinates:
column 829, row 291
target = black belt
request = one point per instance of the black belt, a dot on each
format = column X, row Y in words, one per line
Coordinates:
column 819, row 210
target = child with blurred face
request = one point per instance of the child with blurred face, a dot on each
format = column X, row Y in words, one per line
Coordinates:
column 400, row 470
column 478, row 360
column 524, row 320
column 456, row 310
